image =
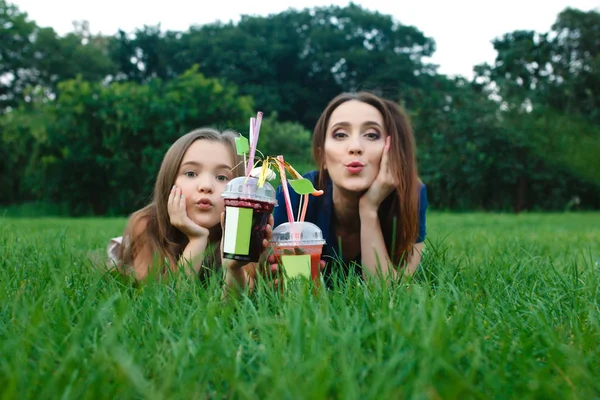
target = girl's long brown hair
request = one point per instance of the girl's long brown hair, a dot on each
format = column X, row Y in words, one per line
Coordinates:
column 167, row 242
column 401, row 207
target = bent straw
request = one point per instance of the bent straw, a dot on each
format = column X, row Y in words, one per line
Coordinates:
column 252, row 146
column 254, row 132
column 299, row 209
column 286, row 194
column 251, row 138
column 304, row 207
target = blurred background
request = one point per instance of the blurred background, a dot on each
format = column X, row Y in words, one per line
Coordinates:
column 504, row 97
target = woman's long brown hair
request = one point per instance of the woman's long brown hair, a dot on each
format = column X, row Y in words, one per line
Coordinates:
column 167, row 242
column 401, row 207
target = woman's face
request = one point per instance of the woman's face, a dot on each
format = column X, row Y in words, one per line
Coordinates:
column 354, row 144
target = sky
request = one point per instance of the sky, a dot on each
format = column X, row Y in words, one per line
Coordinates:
column 462, row 29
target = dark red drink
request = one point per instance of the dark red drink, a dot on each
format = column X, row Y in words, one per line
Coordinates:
column 260, row 217
column 247, row 210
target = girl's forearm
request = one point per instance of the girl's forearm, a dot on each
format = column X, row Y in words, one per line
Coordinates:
column 193, row 255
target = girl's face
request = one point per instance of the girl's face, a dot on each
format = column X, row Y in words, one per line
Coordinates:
column 354, row 144
column 205, row 169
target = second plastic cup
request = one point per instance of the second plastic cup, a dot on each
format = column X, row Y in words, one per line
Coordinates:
column 247, row 210
column 297, row 248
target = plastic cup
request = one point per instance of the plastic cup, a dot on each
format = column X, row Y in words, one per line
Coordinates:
column 297, row 248
column 247, row 210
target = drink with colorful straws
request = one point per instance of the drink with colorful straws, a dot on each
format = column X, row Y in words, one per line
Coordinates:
column 297, row 248
column 248, row 205
column 247, row 210
column 297, row 244
column 249, row 200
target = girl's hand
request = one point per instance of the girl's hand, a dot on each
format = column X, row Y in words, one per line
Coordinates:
column 383, row 185
column 179, row 218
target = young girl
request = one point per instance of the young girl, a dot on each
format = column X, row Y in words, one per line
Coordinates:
column 181, row 226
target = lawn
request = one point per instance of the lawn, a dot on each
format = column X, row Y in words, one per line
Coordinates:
column 505, row 306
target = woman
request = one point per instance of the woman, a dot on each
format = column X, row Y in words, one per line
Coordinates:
column 372, row 213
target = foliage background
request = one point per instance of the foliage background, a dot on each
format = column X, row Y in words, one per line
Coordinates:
column 85, row 119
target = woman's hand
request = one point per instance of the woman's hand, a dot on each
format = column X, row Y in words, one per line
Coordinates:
column 179, row 218
column 382, row 186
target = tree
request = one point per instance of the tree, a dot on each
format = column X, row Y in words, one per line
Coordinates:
column 546, row 83
column 104, row 144
column 291, row 63
column 32, row 57
column 16, row 54
column 557, row 69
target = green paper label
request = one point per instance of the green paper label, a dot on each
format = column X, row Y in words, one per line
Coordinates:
column 241, row 145
column 296, row 265
column 238, row 227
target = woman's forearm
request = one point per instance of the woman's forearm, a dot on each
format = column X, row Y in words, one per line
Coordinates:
column 414, row 259
column 375, row 257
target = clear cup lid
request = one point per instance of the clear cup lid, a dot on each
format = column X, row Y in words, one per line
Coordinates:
column 297, row 234
column 247, row 188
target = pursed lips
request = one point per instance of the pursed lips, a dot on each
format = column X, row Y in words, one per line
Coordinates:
column 204, row 203
column 355, row 164
column 355, row 167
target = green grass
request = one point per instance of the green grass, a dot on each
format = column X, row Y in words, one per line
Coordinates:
column 505, row 307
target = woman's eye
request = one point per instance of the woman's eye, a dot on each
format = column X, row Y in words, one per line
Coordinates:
column 372, row 135
column 339, row 135
column 190, row 174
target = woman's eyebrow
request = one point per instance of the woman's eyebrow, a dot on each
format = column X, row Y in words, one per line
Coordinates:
column 343, row 124
column 368, row 123
column 346, row 124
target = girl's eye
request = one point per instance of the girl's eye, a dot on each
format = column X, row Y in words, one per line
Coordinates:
column 339, row 135
column 190, row 174
column 222, row 178
column 373, row 135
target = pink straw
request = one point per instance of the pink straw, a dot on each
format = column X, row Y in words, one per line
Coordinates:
column 254, row 132
column 286, row 194
column 304, row 207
